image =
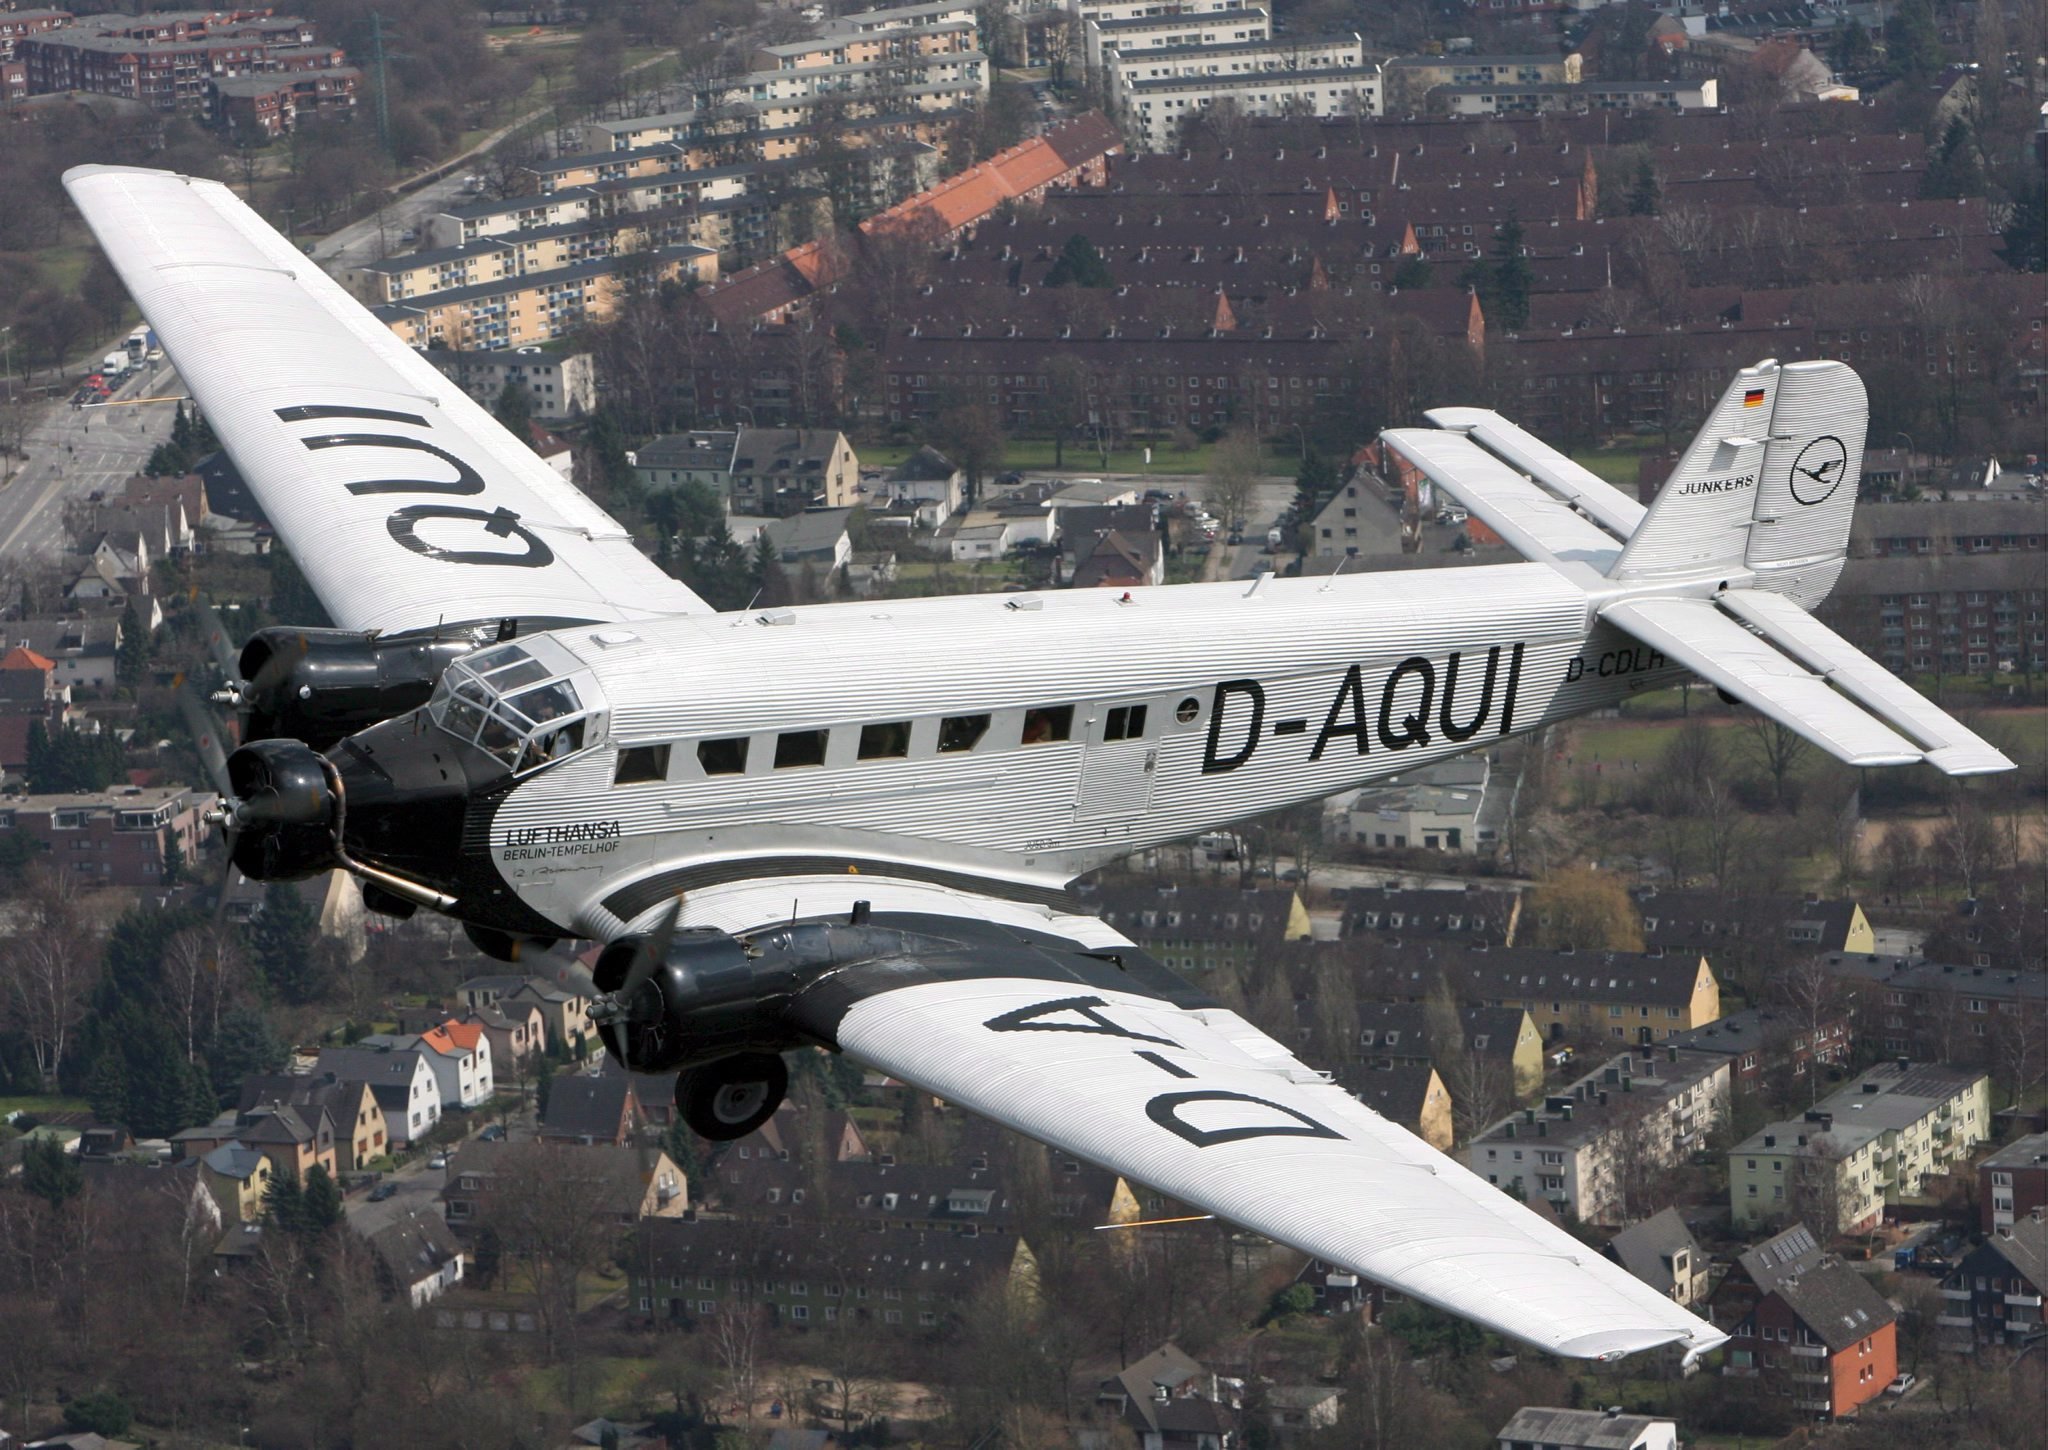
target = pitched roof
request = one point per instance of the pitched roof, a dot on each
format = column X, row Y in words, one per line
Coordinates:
column 1646, row 1249
column 1577, row 1429
column 968, row 196
column 453, row 1037
column 23, row 658
column 586, row 1107
column 2026, row 1249
column 415, row 1247
column 1835, row 1303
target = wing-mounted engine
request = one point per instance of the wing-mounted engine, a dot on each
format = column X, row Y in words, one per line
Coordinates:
column 320, row 685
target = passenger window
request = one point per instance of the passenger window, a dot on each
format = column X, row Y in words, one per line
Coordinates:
column 890, row 741
column 723, row 757
column 799, row 747
column 640, row 764
column 961, row 732
column 1048, row 723
column 1125, row 722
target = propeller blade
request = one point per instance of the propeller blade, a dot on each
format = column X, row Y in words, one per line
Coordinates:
column 652, row 953
column 219, row 643
column 561, row 967
column 206, row 734
column 274, row 669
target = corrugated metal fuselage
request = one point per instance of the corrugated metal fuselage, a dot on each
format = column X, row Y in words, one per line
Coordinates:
column 1254, row 698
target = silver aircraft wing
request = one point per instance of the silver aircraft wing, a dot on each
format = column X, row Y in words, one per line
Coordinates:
column 1056, row 1026
column 405, row 503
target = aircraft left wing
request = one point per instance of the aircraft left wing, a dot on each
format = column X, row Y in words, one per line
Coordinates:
column 1091, row 1046
column 405, row 503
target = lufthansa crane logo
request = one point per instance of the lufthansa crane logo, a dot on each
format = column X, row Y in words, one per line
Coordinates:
column 1817, row 471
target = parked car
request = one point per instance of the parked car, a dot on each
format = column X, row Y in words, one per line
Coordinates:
column 439, row 1160
column 383, row 1191
column 493, row 1134
column 1900, row 1385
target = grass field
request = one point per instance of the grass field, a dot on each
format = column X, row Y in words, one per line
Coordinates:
column 40, row 1104
column 1036, row 454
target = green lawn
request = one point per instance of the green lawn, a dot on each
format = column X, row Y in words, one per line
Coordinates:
column 1036, row 455
column 1616, row 465
column 33, row 1104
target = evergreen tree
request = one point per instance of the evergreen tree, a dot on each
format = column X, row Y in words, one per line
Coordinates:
column 106, row 1087
column 282, row 938
column 320, row 1202
column 1314, row 482
column 181, row 428
column 1512, row 278
column 1912, row 42
column 1954, row 170
column 244, row 1045
column 284, row 1202
column 514, row 409
column 64, row 760
column 543, row 1082
column 168, row 460
column 131, row 660
column 1079, row 265
column 1645, row 194
column 1413, row 273
column 50, row 1173
column 2026, row 235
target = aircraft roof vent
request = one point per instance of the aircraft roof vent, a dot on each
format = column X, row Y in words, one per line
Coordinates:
column 612, row 638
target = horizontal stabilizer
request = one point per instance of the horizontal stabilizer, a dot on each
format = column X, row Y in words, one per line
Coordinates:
column 1717, row 649
column 1949, row 745
column 1574, row 483
column 1528, row 520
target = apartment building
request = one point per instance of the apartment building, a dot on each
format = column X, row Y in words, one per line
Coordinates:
column 1809, row 1325
column 119, row 837
column 1945, row 1011
column 560, row 387
column 533, row 307
column 167, row 59
column 1411, row 78
column 1140, row 34
column 1536, row 100
column 17, row 24
column 273, row 104
column 886, row 1280
column 1156, row 109
column 1874, row 1141
column 1597, row 1001
column 1951, row 586
column 2012, row 1184
column 1595, row 1150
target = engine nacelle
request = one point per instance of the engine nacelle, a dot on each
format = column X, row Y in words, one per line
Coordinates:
column 710, row 999
column 283, row 808
column 319, row 685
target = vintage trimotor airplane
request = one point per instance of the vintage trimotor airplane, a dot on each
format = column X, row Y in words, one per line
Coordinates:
column 850, row 826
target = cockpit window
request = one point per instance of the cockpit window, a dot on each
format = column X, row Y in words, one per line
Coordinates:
column 516, row 706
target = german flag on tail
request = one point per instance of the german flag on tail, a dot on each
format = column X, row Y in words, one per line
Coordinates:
column 1753, row 398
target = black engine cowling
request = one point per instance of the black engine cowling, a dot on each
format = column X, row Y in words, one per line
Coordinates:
column 709, row 999
column 733, row 1096
column 284, row 811
column 319, row 685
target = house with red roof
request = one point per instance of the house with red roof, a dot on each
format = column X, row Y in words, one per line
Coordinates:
column 460, row 1055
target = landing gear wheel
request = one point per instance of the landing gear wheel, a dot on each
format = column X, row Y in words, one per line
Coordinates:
column 732, row 1097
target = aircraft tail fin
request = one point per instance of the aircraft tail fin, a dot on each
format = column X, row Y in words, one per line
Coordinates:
column 1768, row 484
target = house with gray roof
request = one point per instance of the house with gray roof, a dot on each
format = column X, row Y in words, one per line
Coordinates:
column 402, row 1080
column 1993, row 1296
column 1542, row 1427
column 816, row 540
column 591, row 1109
column 418, row 1257
column 1662, row 1252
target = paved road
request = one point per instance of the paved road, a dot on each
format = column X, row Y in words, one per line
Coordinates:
column 417, row 1186
column 72, row 452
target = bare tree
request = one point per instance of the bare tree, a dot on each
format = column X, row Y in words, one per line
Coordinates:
column 1778, row 749
column 50, row 969
column 737, row 1332
column 1814, row 998
column 1967, row 843
column 1813, row 1186
column 556, row 1216
column 200, row 966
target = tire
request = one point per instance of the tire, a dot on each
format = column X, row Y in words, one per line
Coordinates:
column 732, row 1097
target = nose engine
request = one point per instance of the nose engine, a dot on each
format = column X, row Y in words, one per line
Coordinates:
column 280, row 809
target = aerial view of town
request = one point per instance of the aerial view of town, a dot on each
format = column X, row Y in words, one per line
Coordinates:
column 864, row 342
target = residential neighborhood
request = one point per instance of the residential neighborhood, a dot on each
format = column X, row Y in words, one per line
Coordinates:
column 817, row 305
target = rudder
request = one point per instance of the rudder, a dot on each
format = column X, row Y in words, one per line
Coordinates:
column 1806, row 498
column 1700, row 521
